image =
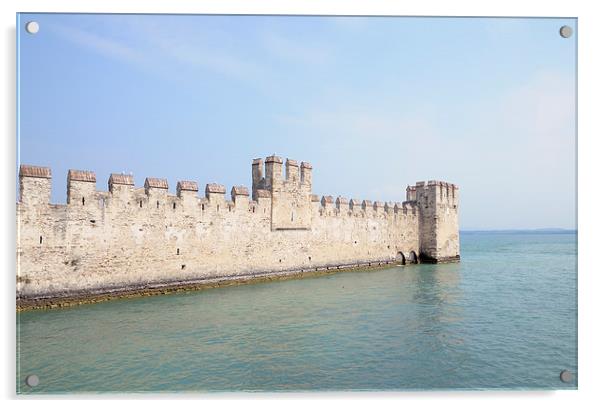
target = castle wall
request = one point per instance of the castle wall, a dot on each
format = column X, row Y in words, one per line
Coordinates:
column 136, row 236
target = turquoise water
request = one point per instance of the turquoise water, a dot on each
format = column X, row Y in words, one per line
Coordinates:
column 505, row 317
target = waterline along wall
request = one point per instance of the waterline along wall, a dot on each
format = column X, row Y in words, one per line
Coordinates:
column 130, row 238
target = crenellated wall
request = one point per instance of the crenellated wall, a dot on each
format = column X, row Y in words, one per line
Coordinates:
column 129, row 236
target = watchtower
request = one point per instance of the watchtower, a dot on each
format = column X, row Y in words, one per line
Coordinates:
column 291, row 194
column 438, row 220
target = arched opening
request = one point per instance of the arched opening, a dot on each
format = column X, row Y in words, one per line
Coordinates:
column 400, row 258
column 412, row 258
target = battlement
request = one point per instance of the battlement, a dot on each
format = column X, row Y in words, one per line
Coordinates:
column 129, row 234
column 34, row 171
column 434, row 191
column 151, row 182
column 294, row 188
column 269, row 176
column 120, row 179
column 81, row 175
column 187, row 187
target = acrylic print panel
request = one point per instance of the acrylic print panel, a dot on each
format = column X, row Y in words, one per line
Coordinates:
column 291, row 203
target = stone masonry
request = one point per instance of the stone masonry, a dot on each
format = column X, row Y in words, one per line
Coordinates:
column 129, row 237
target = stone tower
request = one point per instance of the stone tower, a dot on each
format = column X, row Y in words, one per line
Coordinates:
column 438, row 220
column 291, row 194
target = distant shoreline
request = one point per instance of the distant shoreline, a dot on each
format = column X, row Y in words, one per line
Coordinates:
column 522, row 231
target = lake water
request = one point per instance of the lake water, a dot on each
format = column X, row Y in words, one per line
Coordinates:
column 504, row 317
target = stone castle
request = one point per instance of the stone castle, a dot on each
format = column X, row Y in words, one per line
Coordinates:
column 132, row 239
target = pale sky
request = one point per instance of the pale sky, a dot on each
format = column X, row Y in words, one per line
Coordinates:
column 374, row 103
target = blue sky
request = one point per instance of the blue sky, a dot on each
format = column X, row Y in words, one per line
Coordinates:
column 373, row 103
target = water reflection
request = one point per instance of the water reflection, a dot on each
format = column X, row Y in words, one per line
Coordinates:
column 463, row 325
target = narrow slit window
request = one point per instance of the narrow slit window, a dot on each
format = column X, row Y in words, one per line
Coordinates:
column 157, row 204
column 140, row 203
column 174, row 206
column 40, row 239
column 83, row 200
column 202, row 207
column 178, row 251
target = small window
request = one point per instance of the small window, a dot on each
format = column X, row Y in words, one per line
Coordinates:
column 40, row 239
column 183, row 267
column 292, row 217
column 202, row 207
column 157, row 204
column 140, row 203
column 218, row 207
column 178, row 251
column 83, row 200
column 229, row 209
column 174, row 206
column 253, row 209
column 310, row 258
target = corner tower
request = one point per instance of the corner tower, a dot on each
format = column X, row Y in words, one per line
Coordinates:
column 438, row 220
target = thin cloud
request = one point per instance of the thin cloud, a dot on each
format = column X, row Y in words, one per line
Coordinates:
column 189, row 47
column 101, row 45
column 151, row 47
column 304, row 53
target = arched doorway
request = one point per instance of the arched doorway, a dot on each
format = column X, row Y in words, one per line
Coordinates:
column 412, row 258
column 400, row 258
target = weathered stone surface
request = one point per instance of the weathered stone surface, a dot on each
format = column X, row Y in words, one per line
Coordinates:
column 131, row 237
column 240, row 191
column 34, row 171
column 215, row 188
column 126, row 179
column 152, row 182
column 81, row 175
column 184, row 185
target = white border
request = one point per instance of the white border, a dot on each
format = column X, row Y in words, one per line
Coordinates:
column 590, row 34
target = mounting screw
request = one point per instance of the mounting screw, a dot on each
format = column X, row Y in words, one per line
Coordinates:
column 32, row 27
column 566, row 376
column 32, row 380
column 566, row 31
